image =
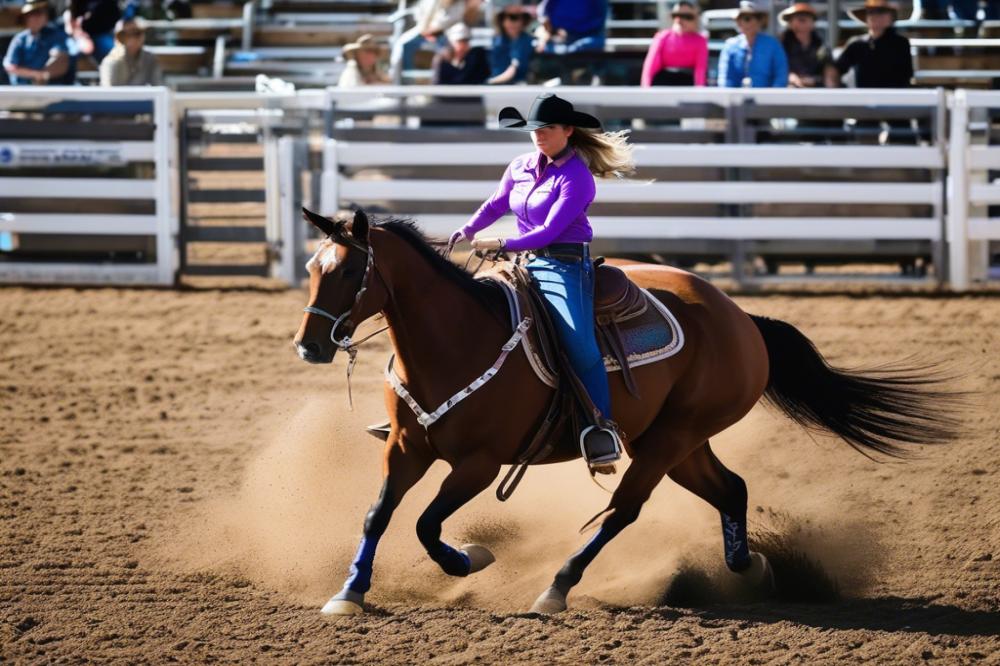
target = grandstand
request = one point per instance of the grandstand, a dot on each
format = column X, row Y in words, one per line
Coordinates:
column 224, row 45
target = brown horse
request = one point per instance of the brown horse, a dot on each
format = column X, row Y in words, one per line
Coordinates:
column 729, row 361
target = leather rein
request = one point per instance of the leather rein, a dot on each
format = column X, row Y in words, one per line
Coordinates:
column 350, row 346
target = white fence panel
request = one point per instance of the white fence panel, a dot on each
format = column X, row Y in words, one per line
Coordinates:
column 37, row 191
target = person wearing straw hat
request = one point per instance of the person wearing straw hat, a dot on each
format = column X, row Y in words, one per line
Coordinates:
column 809, row 62
column 881, row 58
column 549, row 191
column 677, row 56
column 39, row 54
column 130, row 63
column 362, row 67
column 752, row 59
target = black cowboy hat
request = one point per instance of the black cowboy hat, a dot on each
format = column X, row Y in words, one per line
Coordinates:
column 547, row 110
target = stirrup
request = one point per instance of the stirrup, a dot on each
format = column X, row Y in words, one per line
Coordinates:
column 603, row 450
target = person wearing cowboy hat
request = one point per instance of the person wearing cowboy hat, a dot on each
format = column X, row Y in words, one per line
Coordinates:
column 752, row 59
column 511, row 50
column 881, row 58
column 39, row 54
column 549, row 191
column 677, row 56
column 458, row 63
column 809, row 62
column 362, row 67
column 130, row 63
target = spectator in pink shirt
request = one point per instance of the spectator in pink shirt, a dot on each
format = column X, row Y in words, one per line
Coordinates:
column 678, row 56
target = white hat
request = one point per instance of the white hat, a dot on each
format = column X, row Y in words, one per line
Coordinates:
column 458, row 33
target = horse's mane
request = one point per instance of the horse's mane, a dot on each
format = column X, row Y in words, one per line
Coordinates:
column 483, row 291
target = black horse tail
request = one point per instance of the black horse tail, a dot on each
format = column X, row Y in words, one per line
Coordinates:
column 875, row 410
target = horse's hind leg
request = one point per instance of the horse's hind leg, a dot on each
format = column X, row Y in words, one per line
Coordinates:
column 704, row 475
column 467, row 479
column 403, row 468
column 654, row 456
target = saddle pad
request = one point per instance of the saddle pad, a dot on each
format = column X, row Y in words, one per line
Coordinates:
column 648, row 337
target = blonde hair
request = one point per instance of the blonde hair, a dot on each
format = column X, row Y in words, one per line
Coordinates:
column 606, row 154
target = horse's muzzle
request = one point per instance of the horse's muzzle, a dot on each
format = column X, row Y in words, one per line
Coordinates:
column 310, row 352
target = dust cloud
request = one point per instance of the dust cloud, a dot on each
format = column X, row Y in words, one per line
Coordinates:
column 295, row 520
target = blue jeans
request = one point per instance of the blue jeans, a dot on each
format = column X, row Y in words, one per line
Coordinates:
column 578, row 41
column 568, row 288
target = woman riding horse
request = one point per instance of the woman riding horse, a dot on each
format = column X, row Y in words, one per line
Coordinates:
column 549, row 193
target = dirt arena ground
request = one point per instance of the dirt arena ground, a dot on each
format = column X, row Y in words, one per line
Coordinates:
column 175, row 485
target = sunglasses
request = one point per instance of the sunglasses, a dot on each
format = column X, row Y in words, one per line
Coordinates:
column 514, row 17
column 745, row 18
column 133, row 33
column 684, row 17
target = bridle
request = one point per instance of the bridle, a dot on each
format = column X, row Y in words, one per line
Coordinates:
column 346, row 343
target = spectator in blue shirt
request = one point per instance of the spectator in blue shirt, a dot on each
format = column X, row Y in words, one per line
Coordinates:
column 752, row 59
column 511, row 50
column 568, row 26
column 39, row 54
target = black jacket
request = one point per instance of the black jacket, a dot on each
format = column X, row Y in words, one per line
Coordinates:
column 878, row 63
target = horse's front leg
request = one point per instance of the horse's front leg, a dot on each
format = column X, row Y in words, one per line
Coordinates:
column 467, row 479
column 403, row 467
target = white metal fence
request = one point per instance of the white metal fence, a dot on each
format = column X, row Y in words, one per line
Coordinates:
column 956, row 218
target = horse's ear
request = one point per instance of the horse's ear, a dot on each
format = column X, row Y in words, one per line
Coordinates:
column 324, row 224
column 359, row 228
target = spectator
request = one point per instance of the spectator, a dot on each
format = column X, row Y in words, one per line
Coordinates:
column 129, row 63
column 39, row 54
column 362, row 64
column 92, row 24
column 809, row 62
column 752, row 59
column 459, row 64
column 881, row 58
column 569, row 26
column 512, row 50
column 681, row 47
column 433, row 18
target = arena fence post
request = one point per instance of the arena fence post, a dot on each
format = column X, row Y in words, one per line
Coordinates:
column 958, row 194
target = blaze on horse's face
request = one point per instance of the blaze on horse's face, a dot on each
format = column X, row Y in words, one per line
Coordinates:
column 336, row 273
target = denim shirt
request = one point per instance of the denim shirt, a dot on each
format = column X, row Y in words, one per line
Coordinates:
column 33, row 51
column 506, row 50
column 549, row 199
column 768, row 65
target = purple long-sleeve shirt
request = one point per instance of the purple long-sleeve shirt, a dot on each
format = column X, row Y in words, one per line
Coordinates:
column 550, row 202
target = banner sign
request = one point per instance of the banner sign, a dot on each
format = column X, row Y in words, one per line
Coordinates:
column 53, row 155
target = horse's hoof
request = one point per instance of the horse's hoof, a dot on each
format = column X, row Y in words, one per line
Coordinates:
column 759, row 574
column 337, row 606
column 551, row 601
column 480, row 557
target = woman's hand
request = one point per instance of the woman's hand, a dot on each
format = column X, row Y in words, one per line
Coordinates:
column 456, row 237
column 488, row 244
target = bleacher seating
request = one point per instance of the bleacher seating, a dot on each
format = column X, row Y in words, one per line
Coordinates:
column 225, row 45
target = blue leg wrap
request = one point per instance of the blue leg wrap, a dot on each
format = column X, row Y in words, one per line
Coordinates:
column 360, row 579
column 453, row 562
column 734, row 537
column 572, row 571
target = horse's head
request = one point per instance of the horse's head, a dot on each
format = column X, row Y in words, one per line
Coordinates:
column 341, row 287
